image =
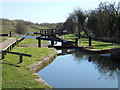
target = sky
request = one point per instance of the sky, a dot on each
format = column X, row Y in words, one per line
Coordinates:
column 44, row 11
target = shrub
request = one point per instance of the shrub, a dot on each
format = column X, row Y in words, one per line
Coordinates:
column 20, row 27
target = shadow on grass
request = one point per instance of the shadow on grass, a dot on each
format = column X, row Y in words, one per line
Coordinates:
column 10, row 64
column 104, row 45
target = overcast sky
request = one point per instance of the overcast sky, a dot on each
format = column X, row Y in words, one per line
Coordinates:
column 41, row 11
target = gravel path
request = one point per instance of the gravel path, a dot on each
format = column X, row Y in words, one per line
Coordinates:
column 6, row 43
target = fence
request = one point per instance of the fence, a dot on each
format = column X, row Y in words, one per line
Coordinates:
column 13, row 44
column 17, row 53
column 10, row 34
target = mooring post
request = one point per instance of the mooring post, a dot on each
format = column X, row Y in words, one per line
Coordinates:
column 10, row 34
column 76, row 41
column 21, row 59
column 39, row 41
column 90, row 40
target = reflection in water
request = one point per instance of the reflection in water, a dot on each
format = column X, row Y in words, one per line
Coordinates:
column 107, row 69
column 105, row 65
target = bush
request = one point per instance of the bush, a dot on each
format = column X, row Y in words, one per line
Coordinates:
column 20, row 27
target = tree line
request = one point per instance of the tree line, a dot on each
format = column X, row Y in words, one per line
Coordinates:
column 102, row 22
column 22, row 26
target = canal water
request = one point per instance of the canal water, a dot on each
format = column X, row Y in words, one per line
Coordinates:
column 75, row 69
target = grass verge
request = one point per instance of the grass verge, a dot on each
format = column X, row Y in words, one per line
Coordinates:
column 98, row 45
column 17, row 75
column 3, row 39
column 31, row 41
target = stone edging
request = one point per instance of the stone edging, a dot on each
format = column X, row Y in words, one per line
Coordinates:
column 39, row 64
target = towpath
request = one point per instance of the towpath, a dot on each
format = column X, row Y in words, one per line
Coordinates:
column 6, row 42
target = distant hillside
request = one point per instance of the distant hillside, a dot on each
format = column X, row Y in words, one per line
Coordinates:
column 9, row 25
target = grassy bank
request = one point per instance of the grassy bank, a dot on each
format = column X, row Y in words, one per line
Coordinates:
column 97, row 45
column 3, row 39
column 17, row 75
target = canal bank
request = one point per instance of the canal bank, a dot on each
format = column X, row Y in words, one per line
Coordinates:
column 16, row 75
column 44, row 61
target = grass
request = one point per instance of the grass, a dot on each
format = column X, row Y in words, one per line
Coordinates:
column 17, row 75
column 3, row 39
column 31, row 29
column 30, row 41
column 98, row 45
column 7, row 28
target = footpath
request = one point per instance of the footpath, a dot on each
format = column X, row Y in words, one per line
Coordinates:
column 6, row 43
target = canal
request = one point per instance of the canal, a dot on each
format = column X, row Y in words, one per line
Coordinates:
column 75, row 69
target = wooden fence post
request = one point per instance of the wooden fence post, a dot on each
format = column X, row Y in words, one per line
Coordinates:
column 79, row 35
column 52, row 32
column 45, row 33
column 90, row 44
column 40, row 31
column 39, row 42
column 5, row 52
column 3, row 55
column 10, row 48
column 10, row 34
column 21, row 59
column 52, row 42
column 76, row 41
